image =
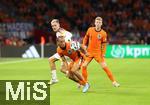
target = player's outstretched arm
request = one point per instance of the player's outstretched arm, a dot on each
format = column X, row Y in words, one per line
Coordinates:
column 64, row 67
column 83, row 49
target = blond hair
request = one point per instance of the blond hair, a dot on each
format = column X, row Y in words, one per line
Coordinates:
column 99, row 18
column 55, row 20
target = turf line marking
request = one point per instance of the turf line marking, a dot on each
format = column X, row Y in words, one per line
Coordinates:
column 19, row 61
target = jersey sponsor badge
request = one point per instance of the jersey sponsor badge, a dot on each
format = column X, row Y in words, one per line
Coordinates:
column 69, row 51
column 99, row 36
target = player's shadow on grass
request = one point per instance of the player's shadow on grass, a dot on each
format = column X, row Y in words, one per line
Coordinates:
column 113, row 92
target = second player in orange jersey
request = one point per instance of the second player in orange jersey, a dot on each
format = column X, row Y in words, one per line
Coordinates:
column 96, row 41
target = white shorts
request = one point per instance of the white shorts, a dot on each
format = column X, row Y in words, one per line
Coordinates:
column 56, row 56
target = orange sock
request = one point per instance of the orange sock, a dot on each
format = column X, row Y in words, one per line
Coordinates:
column 109, row 73
column 82, row 82
column 84, row 73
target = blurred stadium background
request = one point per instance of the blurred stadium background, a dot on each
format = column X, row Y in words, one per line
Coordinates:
column 24, row 24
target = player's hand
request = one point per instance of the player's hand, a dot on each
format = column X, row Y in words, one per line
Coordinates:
column 103, row 56
column 86, row 54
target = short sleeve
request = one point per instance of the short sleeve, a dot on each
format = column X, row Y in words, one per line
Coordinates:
column 59, row 52
column 104, row 39
column 86, row 37
column 68, row 36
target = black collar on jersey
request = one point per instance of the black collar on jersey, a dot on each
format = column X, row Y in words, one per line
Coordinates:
column 96, row 30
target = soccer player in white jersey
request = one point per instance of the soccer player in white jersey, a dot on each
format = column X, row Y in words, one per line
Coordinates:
column 59, row 32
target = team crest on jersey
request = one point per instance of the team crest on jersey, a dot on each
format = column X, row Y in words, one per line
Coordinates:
column 69, row 51
column 99, row 36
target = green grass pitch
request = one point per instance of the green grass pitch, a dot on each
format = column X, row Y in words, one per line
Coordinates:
column 132, row 74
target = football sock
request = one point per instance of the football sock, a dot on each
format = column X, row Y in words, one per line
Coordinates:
column 54, row 76
column 84, row 73
column 82, row 82
column 109, row 74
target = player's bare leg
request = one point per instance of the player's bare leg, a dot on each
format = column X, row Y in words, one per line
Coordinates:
column 73, row 77
column 75, row 70
column 54, row 79
column 72, row 72
column 109, row 74
column 68, row 73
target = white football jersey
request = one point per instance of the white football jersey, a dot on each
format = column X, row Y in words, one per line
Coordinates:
column 65, row 33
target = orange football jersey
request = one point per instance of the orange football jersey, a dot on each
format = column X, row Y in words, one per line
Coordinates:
column 94, row 39
column 74, row 55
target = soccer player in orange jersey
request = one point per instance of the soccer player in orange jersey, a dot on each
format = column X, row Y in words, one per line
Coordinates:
column 96, row 42
column 65, row 49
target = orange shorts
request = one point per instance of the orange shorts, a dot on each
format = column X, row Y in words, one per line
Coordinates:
column 97, row 57
column 77, row 61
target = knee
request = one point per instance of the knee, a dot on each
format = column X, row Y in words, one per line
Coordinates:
column 103, row 64
column 51, row 60
column 84, row 65
column 63, row 70
column 72, row 70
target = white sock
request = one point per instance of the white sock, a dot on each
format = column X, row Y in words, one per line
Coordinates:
column 54, row 76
